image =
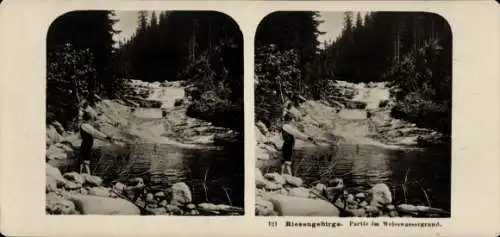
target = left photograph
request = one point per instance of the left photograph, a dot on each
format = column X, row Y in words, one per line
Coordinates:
column 144, row 114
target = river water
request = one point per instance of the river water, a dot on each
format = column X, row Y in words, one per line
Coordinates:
column 214, row 175
column 361, row 166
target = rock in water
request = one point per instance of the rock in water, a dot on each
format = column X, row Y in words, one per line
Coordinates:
column 94, row 205
column 275, row 177
column 295, row 206
column 407, row 208
column 293, row 181
column 74, row 177
column 92, row 180
column 299, row 192
column 379, row 195
column 181, row 194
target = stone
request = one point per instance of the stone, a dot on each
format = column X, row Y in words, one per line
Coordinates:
column 360, row 212
column 50, row 184
column 299, row 192
column 158, row 210
column 55, row 204
column 160, row 195
column 393, row 213
column 55, row 153
column 263, row 207
column 207, row 207
column 58, row 126
column 390, row 207
column 296, row 206
column 74, row 177
column 84, row 191
column 100, row 191
column 259, row 179
column 350, row 198
column 163, row 203
column 363, row 204
column 422, row 208
column 273, row 186
column 69, row 185
column 379, row 195
column 119, row 187
column 321, row 188
column 137, row 182
column 150, row 198
column 52, row 135
column 372, row 211
column 92, row 180
column 275, row 177
column 360, row 196
column 407, row 208
column 94, row 205
column 181, row 194
column 191, row 206
column 333, row 192
column 174, row 209
column 293, row 181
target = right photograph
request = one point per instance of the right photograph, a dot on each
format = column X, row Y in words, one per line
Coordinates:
column 353, row 114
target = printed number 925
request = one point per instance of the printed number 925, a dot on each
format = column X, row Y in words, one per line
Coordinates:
column 272, row 223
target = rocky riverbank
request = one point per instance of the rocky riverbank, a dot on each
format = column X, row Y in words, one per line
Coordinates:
column 285, row 195
column 342, row 119
column 152, row 113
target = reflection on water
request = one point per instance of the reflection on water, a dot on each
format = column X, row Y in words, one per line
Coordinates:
column 363, row 166
column 214, row 175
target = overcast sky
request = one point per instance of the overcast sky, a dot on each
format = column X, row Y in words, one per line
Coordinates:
column 332, row 25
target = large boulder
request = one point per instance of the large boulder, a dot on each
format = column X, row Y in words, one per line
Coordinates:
column 299, row 192
column 379, row 195
column 181, row 194
column 94, row 205
column 296, row 206
column 100, row 191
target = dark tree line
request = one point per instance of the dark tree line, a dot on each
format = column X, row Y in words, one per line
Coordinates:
column 79, row 62
column 411, row 50
column 203, row 48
